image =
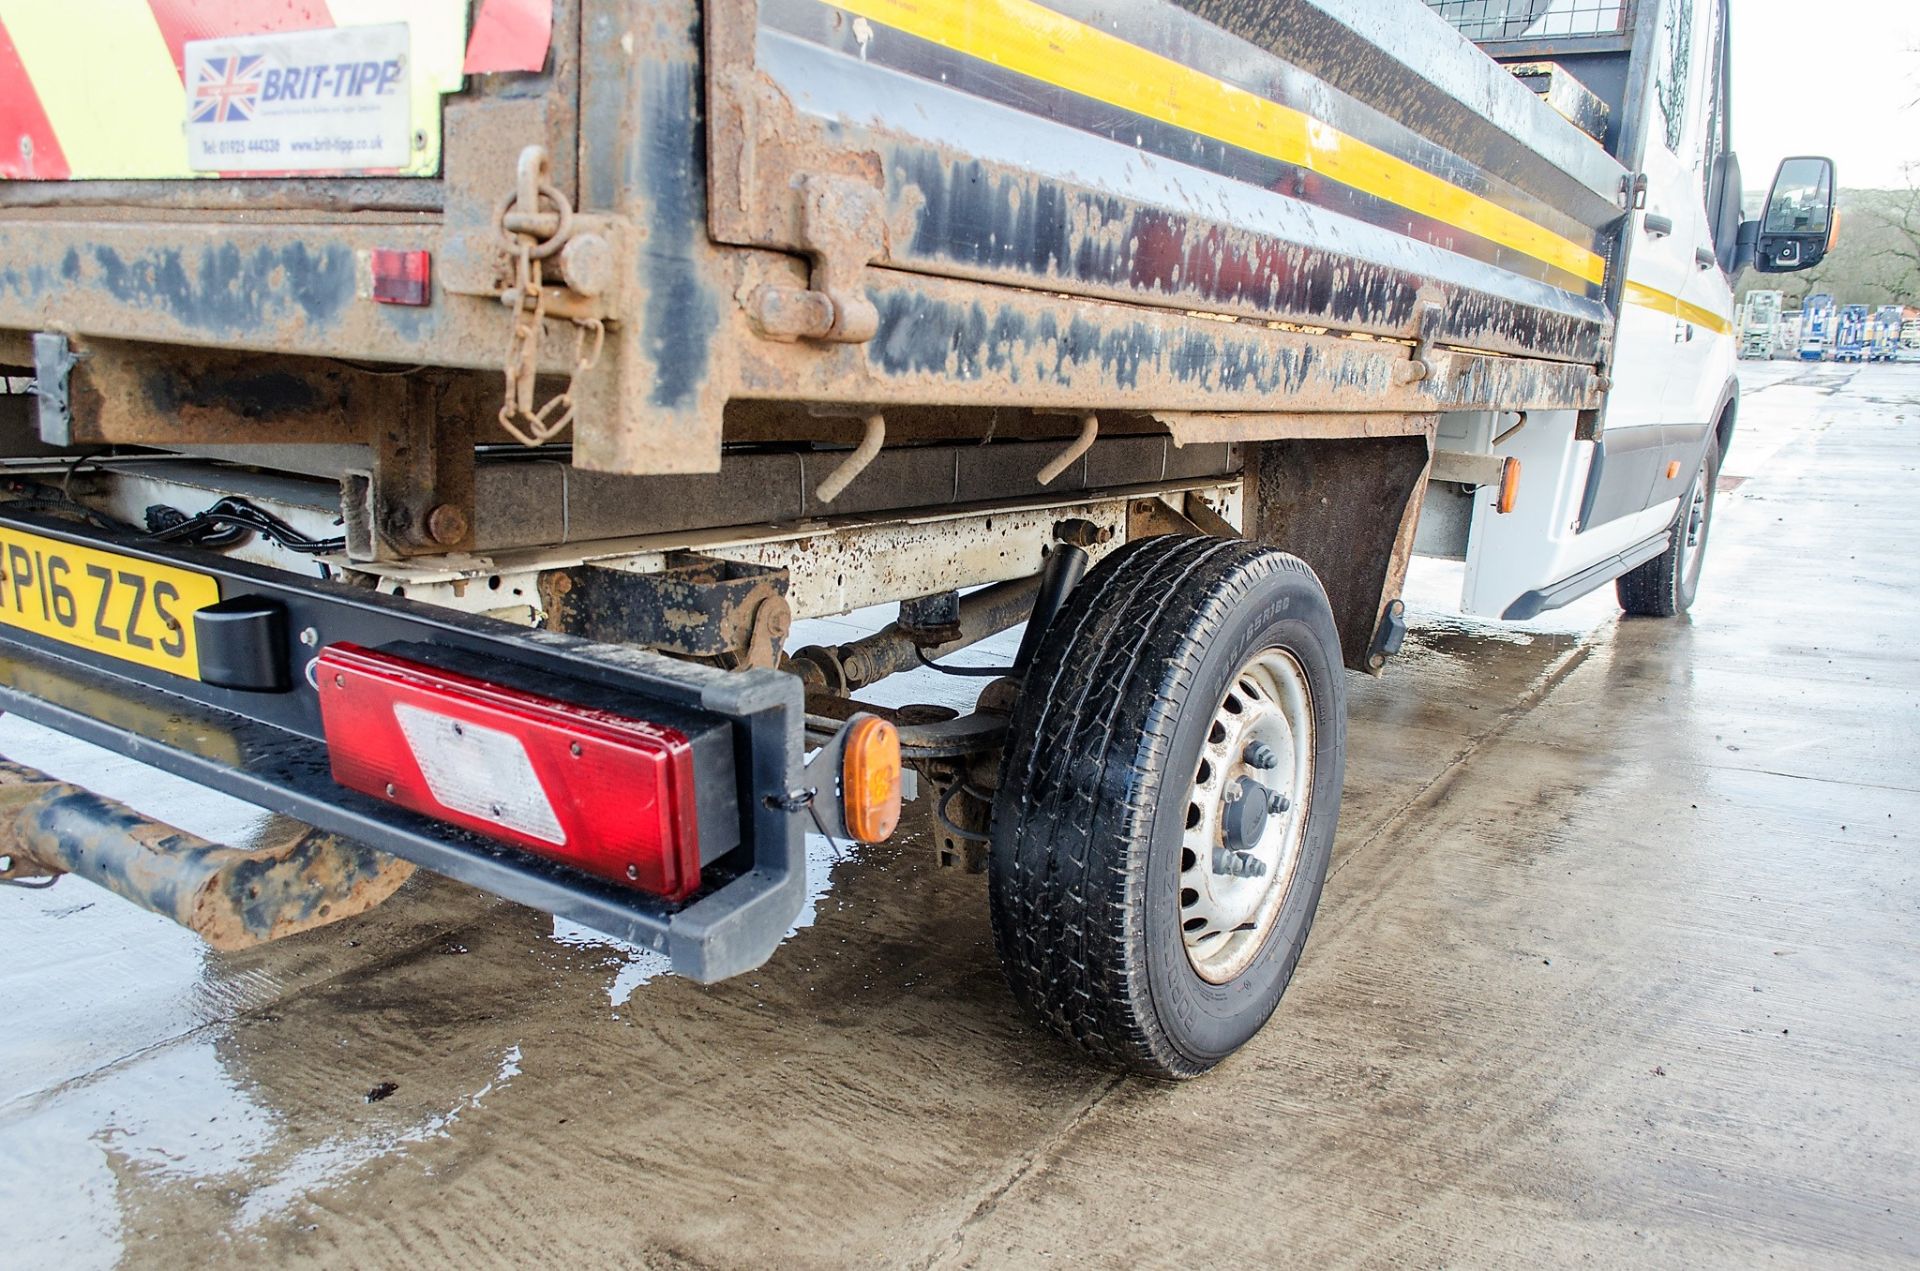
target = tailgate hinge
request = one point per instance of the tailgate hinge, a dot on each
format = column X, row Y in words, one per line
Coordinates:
column 843, row 228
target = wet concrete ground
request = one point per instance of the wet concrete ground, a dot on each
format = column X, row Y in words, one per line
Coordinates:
column 1618, row 963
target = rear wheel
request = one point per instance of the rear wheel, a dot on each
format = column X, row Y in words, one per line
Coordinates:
column 1166, row 809
column 1667, row 584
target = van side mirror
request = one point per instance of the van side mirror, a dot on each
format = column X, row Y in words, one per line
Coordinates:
column 1798, row 225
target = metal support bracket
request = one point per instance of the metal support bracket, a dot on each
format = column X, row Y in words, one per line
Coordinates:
column 697, row 606
column 1389, row 636
column 418, row 499
column 53, row 363
column 1463, row 468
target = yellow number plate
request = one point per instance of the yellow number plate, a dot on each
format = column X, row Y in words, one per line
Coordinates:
column 104, row 602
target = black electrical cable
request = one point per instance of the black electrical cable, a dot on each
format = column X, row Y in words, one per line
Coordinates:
column 227, row 522
column 947, row 822
column 982, row 671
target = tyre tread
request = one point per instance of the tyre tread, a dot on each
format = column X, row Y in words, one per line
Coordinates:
column 1068, row 909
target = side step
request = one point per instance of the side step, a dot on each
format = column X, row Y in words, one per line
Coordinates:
column 232, row 897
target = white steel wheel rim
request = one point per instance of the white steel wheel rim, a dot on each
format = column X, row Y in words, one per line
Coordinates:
column 1227, row 907
column 1693, row 528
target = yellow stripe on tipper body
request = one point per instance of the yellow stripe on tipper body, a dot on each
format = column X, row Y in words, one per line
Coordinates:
column 1638, row 293
column 104, row 77
column 1033, row 40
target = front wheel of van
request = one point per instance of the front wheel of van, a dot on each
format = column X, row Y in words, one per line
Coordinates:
column 1666, row 585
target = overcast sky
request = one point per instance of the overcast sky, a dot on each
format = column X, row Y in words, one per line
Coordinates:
column 1836, row 78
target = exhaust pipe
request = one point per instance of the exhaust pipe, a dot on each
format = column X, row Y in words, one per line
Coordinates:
column 232, row 897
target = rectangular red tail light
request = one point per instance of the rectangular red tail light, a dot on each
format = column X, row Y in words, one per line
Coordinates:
column 604, row 793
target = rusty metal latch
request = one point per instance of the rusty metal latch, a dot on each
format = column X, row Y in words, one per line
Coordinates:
column 536, row 235
column 843, row 228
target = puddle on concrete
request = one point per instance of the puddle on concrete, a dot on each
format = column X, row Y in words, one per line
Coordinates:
column 175, row 1117
column 637, row 966
column 333, row 1161
column 1439, row 632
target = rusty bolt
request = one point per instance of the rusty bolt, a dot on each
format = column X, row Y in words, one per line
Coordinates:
column 586, row 263
column 1080, row 532
column 562, row 584
column 447, row 525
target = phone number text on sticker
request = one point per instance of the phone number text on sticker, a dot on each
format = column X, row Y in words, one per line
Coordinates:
column 134, row 610
column 304, row 100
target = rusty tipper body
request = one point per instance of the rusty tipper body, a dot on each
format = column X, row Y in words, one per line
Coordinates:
column 430, row 423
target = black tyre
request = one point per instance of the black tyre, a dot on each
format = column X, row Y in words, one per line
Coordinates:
column 1666, row 585
column 1141, row 910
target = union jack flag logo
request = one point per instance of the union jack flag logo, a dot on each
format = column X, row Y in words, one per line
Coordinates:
column 228, row 90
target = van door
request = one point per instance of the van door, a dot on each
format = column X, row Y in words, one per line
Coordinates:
column 1710, row 353
column 1586, row 510
column 1665, row 335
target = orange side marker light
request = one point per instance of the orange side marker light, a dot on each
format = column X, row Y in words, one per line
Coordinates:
column 870, row 779
column 1509, row 485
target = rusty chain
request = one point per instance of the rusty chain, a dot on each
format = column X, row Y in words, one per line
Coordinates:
column 534, row 236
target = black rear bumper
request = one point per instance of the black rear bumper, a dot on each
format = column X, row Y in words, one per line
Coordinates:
column 267, row 748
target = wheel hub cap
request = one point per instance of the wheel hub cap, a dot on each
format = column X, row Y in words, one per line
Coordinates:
column 1246, row 815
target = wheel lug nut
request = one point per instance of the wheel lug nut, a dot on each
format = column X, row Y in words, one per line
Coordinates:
column 1277, row 802
column 1237, row 864
column 1260, row 755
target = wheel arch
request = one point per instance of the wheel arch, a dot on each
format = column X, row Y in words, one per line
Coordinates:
column 1725, row 413
column 1348, row 507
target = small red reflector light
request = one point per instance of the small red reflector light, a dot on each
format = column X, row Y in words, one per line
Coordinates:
column 604, row 793
column 402, row 278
